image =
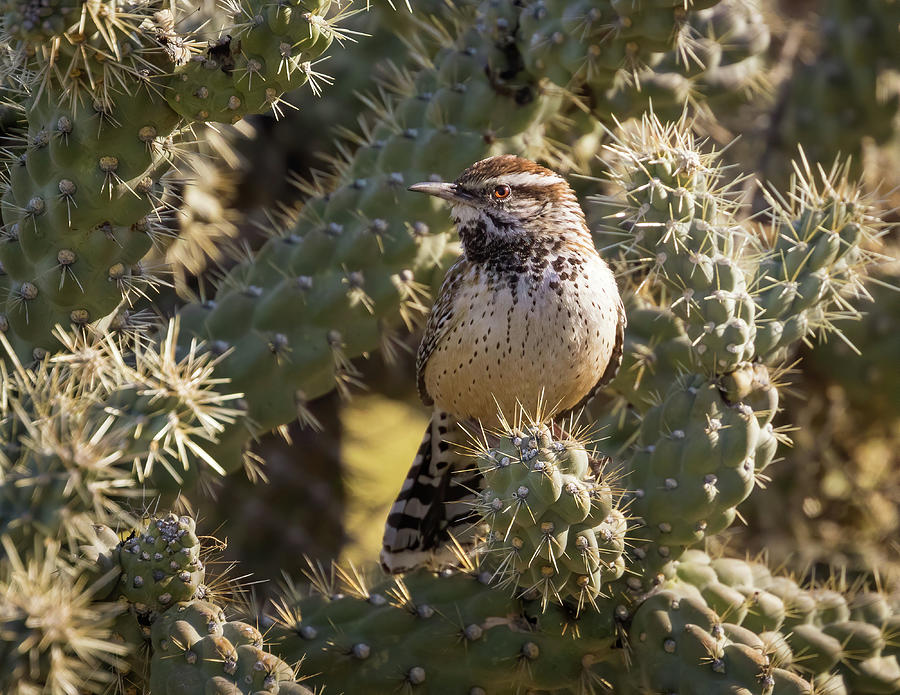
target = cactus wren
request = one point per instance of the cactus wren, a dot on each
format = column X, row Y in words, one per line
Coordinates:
column 529, row 313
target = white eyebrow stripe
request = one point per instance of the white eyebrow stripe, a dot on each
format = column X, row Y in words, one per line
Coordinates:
column 528, row 178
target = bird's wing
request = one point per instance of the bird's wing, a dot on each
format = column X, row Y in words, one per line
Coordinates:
column 615, row 358
column 443, row 317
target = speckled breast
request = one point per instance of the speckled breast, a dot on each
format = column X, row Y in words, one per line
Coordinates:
column 525, row 342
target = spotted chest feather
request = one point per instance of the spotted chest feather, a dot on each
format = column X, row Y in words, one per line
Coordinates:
column 499, row 338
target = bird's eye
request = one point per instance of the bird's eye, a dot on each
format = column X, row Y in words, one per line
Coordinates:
column 501, row 192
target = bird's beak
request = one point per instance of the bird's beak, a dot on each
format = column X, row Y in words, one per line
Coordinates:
column 447, row 191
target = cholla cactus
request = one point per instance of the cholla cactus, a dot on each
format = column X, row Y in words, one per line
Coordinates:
column 56, row 636
column 110, row 91
column 589, row 573
column 842, row 92
column 688, row 623
column 81, row 436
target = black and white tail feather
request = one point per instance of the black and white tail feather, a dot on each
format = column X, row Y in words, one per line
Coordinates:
column 434, row 513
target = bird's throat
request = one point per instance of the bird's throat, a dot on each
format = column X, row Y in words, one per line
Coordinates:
column 497, row 245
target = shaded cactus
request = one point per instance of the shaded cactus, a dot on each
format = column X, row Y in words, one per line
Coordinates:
column 841, row 91
column 55, row 636
column 403, row 634
column 197, row 650
column 712, row 626
column 723, row 65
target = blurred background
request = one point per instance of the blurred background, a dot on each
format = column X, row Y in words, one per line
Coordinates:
column 823, row 75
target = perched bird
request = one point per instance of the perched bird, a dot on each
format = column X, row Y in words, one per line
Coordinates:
column 529, row 313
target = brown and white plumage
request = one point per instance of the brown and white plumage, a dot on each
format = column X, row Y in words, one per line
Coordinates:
column 529, row 314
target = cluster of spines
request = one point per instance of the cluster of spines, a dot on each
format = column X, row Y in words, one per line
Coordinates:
column 55, row 636
column 80, row 433
column 824, row 236
column 81, row 50
column 268, row 49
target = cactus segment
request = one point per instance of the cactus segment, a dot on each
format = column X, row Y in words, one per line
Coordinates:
column 693, row 463
column 403, row 633
column 268, row 51
column 88, row 186
column 83, row 209
column 738, row 298
column 553, row 528
column 824, row 233
column 719, row 62
column 161, row 564
column 680, row 645
column 824, row 633
column 719, row 300
column 195, row 649
column 656, row 351
column 683, row 221
column 713, row 625
column 856, row 50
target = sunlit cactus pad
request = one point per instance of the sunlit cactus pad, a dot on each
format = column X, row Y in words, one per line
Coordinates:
column 553, row 525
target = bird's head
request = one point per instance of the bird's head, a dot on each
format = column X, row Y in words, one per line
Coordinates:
column 505, row 199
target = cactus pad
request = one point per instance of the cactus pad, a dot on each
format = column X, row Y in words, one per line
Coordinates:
column 195, row 649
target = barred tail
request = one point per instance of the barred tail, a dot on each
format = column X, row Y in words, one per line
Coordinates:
column 434, row 503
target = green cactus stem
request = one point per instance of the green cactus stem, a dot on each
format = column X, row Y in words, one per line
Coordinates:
column 714, row 625
column 195, row 649
column 553, row 526
column 108, row 113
